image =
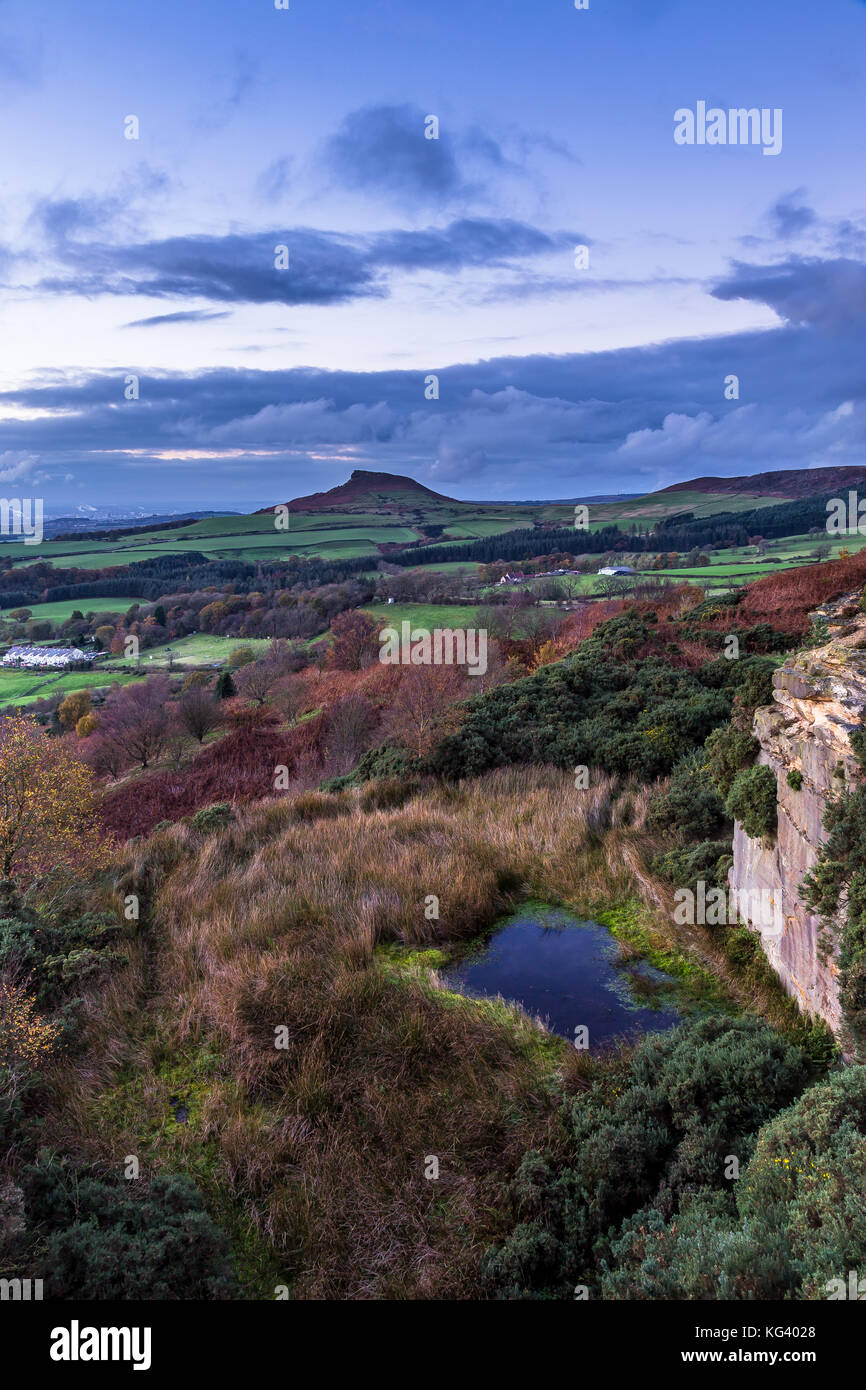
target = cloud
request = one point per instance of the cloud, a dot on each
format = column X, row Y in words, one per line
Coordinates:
column 273, row 182
column 16, row 466
column 384, row 150
column 826, row 294
column 511, row 426
column 182, row 316
column 323, row 267
column 307, row 422
column 790, row 216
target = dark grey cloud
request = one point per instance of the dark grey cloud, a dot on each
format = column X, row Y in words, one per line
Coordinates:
column 383, row 149
column 790, row 216
column 324, row 268
column 385, row 152
column 509, row 427
column 827, row 294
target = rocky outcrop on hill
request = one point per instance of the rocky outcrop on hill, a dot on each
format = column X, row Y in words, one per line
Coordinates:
column 819, row 699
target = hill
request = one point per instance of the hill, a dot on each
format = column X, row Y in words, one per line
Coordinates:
column 366, row 491
column 787, row 482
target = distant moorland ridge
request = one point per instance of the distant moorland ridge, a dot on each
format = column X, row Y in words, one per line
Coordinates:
column 787, row 482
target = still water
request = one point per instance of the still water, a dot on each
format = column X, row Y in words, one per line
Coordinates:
column 568, row 973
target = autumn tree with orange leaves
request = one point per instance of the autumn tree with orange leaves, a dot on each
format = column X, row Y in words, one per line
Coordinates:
column 48, row 807
column 26, row 1038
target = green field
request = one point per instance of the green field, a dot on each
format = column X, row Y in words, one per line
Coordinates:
column 23, row 687
column 199, row 649
column 426, row 615
column 656, row 505
column 61, row 610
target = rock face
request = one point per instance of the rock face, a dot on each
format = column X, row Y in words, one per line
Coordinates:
column 820, row 698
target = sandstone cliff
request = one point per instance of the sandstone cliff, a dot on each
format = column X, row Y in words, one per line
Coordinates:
column 820, row 697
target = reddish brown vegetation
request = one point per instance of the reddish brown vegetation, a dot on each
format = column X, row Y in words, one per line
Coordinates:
column 787, row 598
column 239, row 767
column 785, row 483
column 583, row 622
column 365, row 487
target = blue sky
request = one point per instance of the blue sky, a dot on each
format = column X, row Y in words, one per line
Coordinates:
column 305, row 128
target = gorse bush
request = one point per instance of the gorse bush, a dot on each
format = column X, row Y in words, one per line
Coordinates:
column 101, row 1238
column 691, row 802
column 708, row 861
column 654, row 1129
column 215, row 817
column 602, row 707
column 752, row 801
column 729, row 751
column 797, row 1220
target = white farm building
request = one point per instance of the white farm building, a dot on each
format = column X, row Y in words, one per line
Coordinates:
column 47, row 658
column 616, row 569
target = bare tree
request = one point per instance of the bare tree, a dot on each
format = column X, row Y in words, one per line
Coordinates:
column 290, row 698
column 350, row 724
column 198, row 712
column 135, row 720
column 423, row 709
column 256, row 682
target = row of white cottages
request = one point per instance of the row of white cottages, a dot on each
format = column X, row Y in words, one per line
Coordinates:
column 47, row 658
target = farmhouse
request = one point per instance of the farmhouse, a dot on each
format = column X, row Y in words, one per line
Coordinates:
column 47, row 658
column 616, row 569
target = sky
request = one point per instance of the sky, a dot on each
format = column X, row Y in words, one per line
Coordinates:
column 235, row 266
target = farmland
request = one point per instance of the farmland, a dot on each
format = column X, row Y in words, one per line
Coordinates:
column 199, row 649
column 64, row 608
column 21, row 688
column 425, row 615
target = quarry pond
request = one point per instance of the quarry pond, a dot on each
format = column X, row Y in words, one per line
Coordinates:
column 567, row 972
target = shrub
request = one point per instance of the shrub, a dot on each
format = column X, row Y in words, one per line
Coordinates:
column 59, row 958
column 241, row 656
column 386, row 761
column 656, row 1129
column 795, row 779
column 48, row 806
column 752, row 801
column 74, row 708
column 604, row 706
column 799, row 1222
column 225, row 687
column 691, row 803
column 215, row 817
column 99, row 1240
column 728, row 751
column 708, row 861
